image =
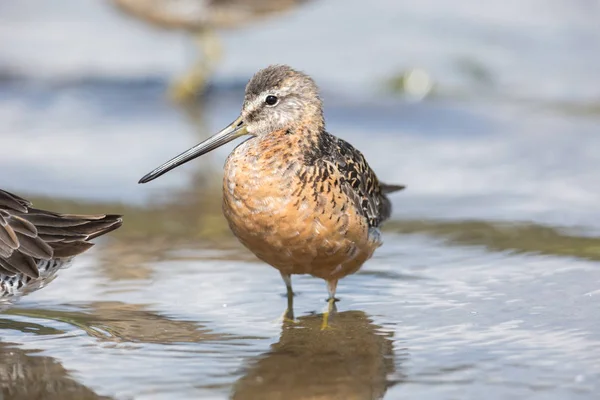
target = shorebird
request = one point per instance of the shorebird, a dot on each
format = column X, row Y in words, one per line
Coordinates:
column 201, row 18
column 35, row 244
column 301, row 199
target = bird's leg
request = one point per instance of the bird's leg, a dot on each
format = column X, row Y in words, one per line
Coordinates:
column 289, row 312
column 194, row 81
column 211, row 46
column 331, row 288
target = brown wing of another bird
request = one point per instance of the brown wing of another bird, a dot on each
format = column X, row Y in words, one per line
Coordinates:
column 28, row 235
column 359, row 181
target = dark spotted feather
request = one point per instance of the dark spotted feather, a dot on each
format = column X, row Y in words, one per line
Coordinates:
column 28, row 235
column 359, row 182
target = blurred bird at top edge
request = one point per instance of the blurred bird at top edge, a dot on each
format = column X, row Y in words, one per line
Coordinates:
column 201, row 18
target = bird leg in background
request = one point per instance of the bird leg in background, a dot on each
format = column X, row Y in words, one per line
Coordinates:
column 331, row 288
column 194, row 82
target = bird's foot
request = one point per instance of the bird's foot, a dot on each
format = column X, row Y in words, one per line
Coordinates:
column 287, row 317
column 330, row 309
column 325, row 324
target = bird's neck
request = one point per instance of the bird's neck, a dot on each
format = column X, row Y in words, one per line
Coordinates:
column 309, row 128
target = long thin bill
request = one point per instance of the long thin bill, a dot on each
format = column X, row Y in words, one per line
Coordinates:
column 236, row 129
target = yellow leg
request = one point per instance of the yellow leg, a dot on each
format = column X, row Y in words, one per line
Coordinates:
column 193, row 83
column 330, row 309
column 331, row 288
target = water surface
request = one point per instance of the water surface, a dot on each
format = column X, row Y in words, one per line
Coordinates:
column 486, row 286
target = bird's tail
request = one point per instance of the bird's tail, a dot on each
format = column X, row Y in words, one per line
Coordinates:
column 386, row 204
column 387, row 189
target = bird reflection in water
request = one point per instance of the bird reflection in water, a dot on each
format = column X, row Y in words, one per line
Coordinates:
column 24, row 374
column 121, row 322
column 352, row 360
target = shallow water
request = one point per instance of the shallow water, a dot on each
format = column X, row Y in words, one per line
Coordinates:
column 486, row 286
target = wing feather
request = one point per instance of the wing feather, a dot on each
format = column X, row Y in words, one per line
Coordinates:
column 28, row 235
column 359, row 181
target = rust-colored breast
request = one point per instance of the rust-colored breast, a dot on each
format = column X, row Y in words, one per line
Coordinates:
column 294, row 216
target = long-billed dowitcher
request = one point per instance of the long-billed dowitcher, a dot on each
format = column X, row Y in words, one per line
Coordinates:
column 35, row 244
column 301, row 199
column 201, row 18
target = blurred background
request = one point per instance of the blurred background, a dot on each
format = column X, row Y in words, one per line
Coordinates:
column 488, row 282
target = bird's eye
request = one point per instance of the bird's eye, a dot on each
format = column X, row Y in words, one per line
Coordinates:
column 271, row 100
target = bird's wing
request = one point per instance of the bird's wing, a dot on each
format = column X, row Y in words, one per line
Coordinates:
column 28, row 234
column 359, row 182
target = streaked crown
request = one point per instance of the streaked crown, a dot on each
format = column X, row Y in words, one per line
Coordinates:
column 279, row 97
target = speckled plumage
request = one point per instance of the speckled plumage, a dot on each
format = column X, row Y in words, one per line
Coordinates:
column 301, row 199
column 303, row 210
column 35, row 244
